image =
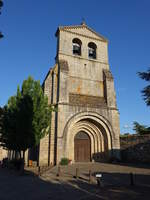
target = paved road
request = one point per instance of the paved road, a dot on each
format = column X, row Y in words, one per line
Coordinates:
column 116, row 184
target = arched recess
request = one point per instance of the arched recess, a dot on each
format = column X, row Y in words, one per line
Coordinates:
column 96, row 126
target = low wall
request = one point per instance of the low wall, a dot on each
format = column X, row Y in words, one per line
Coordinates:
column 135, row 148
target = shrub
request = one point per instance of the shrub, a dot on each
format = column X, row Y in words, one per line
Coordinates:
column 5, row 162
column 64, row 161
column 114, row 160
column 16, row 163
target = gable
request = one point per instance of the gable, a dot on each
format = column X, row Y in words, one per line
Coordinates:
column 83, row 30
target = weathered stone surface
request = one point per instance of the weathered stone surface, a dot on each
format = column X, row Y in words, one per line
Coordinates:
column 63, row 65
column 108, row 75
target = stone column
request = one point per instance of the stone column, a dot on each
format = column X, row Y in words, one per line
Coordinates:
column 110, row 96
column 55, row 85
column 63, row 94
column 44, row 150
column 63, row 99
column 109, row 91
column 48, row 86
column 52, row 139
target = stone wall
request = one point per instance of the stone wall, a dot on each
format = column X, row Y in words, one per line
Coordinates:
column 135, row 148
column 3, row 153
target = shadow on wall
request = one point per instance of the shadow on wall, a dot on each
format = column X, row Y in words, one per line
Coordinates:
column 107, row 156
column 33, row 156
column 137, row 153
column 100, row 157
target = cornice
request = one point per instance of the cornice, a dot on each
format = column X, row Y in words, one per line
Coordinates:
column 81, row 105
column 93, row 60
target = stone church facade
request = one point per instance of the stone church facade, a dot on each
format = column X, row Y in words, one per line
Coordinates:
column 86, row 125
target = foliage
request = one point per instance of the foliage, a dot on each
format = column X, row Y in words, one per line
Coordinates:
column 125, row 135
column 1, row 5
column 16, row 164
column 5, row 162
column 1, row 115
column 140, row 129
column 64, row 161
column 113, row 159
column 26, row 117
column 13, row 164
column 146, row 90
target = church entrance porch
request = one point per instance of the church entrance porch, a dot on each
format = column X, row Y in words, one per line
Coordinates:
column 87, row 137
column 82, row 147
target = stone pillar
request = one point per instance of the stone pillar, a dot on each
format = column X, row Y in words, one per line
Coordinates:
column 109, row 91
column 26, row 157
column 110, row 96
column 54, row 94
column 48, row 86
column 62, row 98
column 114, row 117
column 63, row 82
column 52, row 139
column 44, row 150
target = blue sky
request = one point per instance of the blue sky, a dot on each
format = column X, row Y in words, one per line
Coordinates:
column 29, row 45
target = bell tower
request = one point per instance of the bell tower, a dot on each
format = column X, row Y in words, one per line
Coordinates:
column 82, row 87
column 86, row 55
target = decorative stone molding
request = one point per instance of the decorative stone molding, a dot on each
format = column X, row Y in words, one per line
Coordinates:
column 78, row 99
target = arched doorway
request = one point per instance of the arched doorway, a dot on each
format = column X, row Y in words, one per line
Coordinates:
column 82, row 147
column 97, row 129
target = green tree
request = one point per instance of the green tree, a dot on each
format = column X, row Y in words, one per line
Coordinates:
column 1, row 5
column 140, row 129
column 27, row 117
column 1, row 113
column 146, row 90
column 41, row 111
column 1, row 116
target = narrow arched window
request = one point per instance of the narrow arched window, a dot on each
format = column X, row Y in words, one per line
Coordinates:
column 92, row 50
column 76, row 46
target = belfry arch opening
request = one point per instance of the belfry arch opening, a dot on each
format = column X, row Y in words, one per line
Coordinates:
column 76, row 46
column 92, row 50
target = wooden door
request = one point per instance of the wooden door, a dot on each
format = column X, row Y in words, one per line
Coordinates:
column 82, row 147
